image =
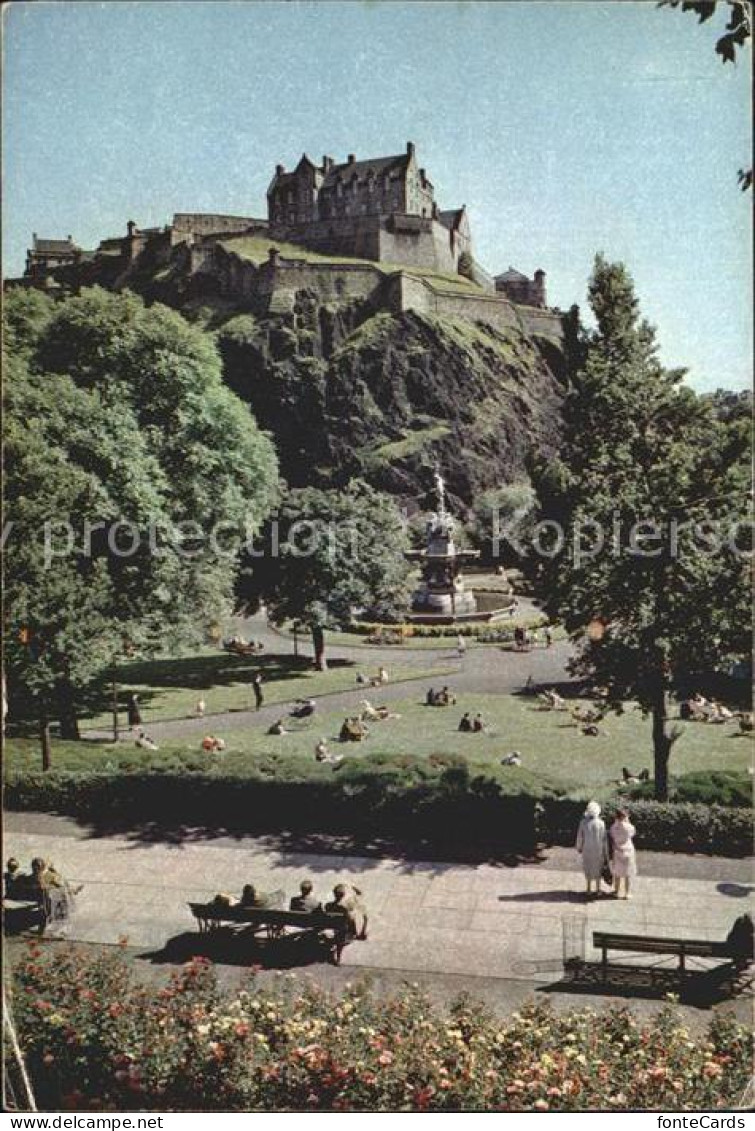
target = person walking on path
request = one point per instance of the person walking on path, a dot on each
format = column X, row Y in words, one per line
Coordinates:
column 461, row 646
column 592, row 844
column 623, row 858
column 132, row 708
column 259, row 698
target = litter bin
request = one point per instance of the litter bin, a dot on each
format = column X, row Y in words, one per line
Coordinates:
column 573, row 931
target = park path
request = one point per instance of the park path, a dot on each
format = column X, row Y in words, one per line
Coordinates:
column 426, row 918
column 484, row 669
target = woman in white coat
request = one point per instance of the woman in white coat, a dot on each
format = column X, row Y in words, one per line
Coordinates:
column 592, row 844
column 623, row 858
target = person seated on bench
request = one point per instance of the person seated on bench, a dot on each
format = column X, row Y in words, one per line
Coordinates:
column 347, row 902
column 12, row 880
column 305, row 901
column 250, row 897
column 465, row 723
column 224, row 899
column 740, row 941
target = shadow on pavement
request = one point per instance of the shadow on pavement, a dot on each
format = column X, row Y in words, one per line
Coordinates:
column 555, row 896
column 739, row 891
column 702, row 989
column 241, row 948
column 372, row 849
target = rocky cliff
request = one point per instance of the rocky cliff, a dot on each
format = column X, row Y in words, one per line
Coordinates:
column 347, row 392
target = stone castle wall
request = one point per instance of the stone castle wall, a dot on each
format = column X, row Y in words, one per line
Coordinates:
column 189, row 225
column 273, row 284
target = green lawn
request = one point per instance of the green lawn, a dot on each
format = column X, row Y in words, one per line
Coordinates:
column 552, row 749
column 171, row 688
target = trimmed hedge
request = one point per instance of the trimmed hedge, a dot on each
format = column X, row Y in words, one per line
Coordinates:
column 708, row 787
column 490, row 631
column 445, row 808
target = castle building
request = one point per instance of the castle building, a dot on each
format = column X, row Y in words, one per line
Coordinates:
column 520, row 289
column 44, row 255
column 382, row 208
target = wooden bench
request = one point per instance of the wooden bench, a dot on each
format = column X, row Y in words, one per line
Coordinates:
column 273, row 921
column 605, row 941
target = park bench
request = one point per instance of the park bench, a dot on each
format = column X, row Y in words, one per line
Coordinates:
column 273, row 921
column 606, row 941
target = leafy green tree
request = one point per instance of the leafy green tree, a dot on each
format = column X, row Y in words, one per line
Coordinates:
column 133, row 477
column 647, row 491
column 326, row 554
column 503, row 518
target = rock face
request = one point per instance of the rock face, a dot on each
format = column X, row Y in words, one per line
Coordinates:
column 346, row 392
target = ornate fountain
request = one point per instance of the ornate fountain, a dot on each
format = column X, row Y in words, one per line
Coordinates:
column 441, row 594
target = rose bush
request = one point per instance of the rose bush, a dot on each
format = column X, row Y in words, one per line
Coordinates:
column 97, row 1038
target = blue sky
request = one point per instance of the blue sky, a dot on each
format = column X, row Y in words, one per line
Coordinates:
column 566, row 128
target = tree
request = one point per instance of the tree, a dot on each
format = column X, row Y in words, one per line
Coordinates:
column 325, row 554
column 647, row 492
column 503, row 516
column 125, row 454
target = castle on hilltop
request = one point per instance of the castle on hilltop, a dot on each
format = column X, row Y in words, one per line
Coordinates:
column 382, row 208
column 359, row 230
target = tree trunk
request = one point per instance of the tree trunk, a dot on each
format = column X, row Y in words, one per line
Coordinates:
column 44, row 738
column 662, row 743
column 318, row 640
column 69, row 723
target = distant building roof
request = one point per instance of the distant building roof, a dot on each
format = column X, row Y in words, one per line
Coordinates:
column 512, row 276
column 377, row 166
column 54, row 247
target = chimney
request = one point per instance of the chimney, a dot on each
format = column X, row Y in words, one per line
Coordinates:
column 280, row 170
column 272, row 255
column 131, row 227
column 351, row 159
column 34, row 237
column 326, row 163
column 70, row 239
column 410, row 148
column 540, row 274
column 423, row 176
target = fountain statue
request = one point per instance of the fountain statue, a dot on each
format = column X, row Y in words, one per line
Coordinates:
column 441, row 593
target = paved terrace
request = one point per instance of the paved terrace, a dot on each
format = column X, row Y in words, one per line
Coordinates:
column 455, row 923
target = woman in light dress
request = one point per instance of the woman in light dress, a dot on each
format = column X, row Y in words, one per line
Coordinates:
column 592, row 844
column 623, row 859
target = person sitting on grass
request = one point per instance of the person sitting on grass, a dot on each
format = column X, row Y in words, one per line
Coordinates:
column 512, row 759
column 478, row 724
column 305, row 901
column 465, row 723
column 323, row 754
column 212, row 744
column 144, row 741
column 353, row 730
column 277, row 728
column 303, row 709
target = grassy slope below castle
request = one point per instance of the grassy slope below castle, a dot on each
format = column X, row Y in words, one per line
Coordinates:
column 256, row 249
